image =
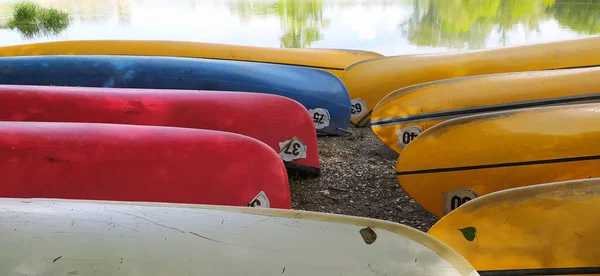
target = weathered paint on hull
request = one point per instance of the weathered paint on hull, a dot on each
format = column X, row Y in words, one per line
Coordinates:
column 467, row 157
column 322, row 93
column 287, row 128
column 331, row 60
column 546, row 229
column 412, row 110
column 111, row 238
column 371, row 81
column 139, row 163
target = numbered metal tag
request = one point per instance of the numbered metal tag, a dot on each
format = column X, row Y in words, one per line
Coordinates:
column 292, row 149
column 406, row 135
column 260, row 201
column 321, row 117
column 456, row 198
column 359, row 107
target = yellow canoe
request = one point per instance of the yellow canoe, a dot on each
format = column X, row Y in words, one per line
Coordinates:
column 370, row 81
column 54, row 237
column 549, row 229
column 332, row 60
column 463, row 158
column 416, row 108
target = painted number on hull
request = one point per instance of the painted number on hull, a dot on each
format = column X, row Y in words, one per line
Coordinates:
column 406, row 135
column 456, row 198
column 260, row 201
column 359, row 107
column 292, row 149
column 321, row 117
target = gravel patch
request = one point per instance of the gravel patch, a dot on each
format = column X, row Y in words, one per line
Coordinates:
column 358, row 179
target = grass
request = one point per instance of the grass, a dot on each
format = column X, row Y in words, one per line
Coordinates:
column 33, row 20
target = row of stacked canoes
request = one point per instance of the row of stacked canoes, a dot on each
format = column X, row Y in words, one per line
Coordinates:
column 485, row 139
column 504, row 156
column 545, row 229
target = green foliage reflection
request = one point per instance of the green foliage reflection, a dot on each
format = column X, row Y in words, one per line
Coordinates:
column 468, row 23
column 582, row 16
column 32, row 20
column 301, row 20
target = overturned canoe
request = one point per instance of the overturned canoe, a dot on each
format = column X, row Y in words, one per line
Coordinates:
column 332, row 60
column 416, row 108
column 370, row 81
column 546, row 229
column 139, row 163
column 322, row 93
column 287, row 127
column 55, row 237
column 463, row 158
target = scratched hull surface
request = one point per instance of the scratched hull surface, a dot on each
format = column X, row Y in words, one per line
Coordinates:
column 371, row 81
column 139, row 163
column 461, row 159
column 419, row 107
column 322, row 93
column 109, row 238
column 288, row 128
column 540, row 228
column 332, row 60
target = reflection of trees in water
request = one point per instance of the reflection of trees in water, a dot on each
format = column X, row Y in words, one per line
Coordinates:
column 301, row 20
column 460, row 23
column 582, row 16
column 34, row 21
column 94, row 10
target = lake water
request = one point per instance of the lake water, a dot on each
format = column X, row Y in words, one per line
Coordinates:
column 389, row 27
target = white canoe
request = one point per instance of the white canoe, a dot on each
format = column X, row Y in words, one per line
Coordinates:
column 71, row 237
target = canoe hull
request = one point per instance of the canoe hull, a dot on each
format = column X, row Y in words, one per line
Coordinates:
column 331, row 60
column 326, row 98
column 371, row 81
column 468, row 157
column 287, row 127
column 541, row 228
column 174, row 239
column 138, row 163
column 416, row 108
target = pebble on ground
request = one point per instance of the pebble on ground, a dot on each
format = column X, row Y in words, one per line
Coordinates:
column 358, row 179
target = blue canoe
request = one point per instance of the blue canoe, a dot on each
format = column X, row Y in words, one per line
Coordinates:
column 321, row 92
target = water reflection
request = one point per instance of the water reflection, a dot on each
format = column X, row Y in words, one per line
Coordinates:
column 582, row 16
column 301, row 20
column 32, row 20
column 389, row 27
column 464, row 23
column 91, row 11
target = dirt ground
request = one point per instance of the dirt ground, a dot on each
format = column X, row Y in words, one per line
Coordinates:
column 358, row 179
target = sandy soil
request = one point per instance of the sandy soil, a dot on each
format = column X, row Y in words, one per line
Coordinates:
column 358, row 179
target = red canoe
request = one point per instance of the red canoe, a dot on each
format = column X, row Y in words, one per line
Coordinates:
column 139, row 163
column 280, row 122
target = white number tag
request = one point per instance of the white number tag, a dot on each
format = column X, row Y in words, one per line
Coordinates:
column 359, row 107
column 321, row 117
column 406, row 135
column 292, row 149
column 260, row 201
column 456, row 198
